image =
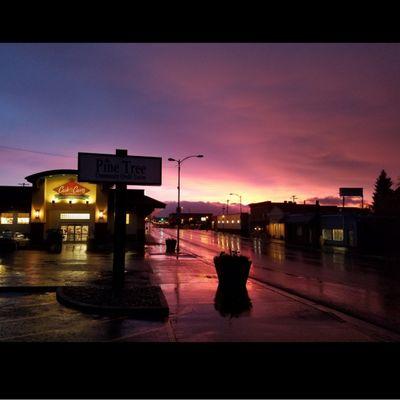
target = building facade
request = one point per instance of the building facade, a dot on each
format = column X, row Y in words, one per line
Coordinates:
column 191, row 220
column 83, row 211
column 235, row 223
column 269, row 217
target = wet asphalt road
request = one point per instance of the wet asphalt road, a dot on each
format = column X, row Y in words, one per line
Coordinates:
column 365, row 287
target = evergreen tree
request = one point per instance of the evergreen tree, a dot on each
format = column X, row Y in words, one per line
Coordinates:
column 383, row 195
column 396, row 198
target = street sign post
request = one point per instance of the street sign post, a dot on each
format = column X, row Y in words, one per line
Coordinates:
column 352, row 192
column 121, row 170
column 131, row 170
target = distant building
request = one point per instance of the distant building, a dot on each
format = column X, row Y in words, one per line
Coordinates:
column 339, row 230
column 315, row 225
column 191, row 220
column 235, row 223
column 160, row 221
column 303, row 229
column 269, row 217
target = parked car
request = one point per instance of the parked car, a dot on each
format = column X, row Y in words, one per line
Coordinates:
column 6, row 234
column 14, row 240
column 21, row 240
column 7, row 243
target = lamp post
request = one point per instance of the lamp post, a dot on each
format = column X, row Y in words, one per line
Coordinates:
column 240, row 200
column 178, row 209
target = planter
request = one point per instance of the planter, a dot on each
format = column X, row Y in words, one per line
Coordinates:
column 170, row 245
column 232, row 270
column 232, row 302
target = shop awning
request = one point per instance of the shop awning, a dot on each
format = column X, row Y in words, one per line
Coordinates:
column 138, row 202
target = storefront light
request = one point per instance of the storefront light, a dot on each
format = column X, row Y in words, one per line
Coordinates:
column 37, row 214
column 101, row 214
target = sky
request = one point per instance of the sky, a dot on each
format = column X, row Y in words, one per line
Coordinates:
column 272, row 120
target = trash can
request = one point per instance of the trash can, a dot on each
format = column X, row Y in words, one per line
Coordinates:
column 170, row 245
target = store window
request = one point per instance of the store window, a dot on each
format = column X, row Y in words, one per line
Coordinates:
column 75, row 216
column 7, row 218
column 127, row 218
column 23, row 218
column 338, row 235
column 327, row 234
column 277, row 230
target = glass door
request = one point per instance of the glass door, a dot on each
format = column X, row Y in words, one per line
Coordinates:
column 75, row 233
column 85, row 233
column 64, row 232
column 78, row 233
column 70, row 233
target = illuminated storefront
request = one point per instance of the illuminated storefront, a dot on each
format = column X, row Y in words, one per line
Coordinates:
column 238, row 223
column 60, row 202
column 82, row 210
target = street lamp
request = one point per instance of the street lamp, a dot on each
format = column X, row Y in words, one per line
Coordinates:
column 240, row 200
column 178, row 209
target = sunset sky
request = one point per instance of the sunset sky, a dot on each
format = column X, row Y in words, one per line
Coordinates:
column 272, row 120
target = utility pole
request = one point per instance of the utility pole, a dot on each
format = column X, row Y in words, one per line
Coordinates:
column 119, row 230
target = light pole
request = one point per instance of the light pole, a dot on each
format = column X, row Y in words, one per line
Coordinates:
column 240, row 200
column 178, row 209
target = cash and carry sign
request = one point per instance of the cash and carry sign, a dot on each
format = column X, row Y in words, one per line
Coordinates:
column 132, row 170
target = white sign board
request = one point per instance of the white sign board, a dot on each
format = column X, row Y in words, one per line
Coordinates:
column 132, row 170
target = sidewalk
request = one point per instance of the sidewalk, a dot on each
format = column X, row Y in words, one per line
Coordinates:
column 190, row 285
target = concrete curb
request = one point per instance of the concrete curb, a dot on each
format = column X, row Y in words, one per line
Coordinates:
column 148, row 312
